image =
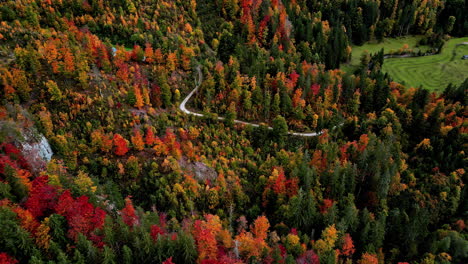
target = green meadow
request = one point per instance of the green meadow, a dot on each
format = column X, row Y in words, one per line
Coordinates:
column 431, row 72
column 389, row 45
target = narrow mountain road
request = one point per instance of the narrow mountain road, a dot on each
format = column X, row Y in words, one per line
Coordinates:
column 198, row 82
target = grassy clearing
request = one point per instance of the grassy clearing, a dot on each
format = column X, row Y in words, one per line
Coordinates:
column 431, row 72
column 389, row 45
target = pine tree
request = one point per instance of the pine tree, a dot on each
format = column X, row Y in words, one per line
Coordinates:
column 280, row 129
column 109, row 256
column 127, row 255
column 166, row 92
column 275, row 108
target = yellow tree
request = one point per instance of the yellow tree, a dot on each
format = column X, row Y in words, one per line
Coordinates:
column 149, row 53
column 171, row 63
column 84, row 182
column 368, row 258
column 54, row 91
column 158, row 56
column 137, row 140
column 327, row 242
column 260, row 227
column 139, row 103
column 46, row 122
column 42, row 234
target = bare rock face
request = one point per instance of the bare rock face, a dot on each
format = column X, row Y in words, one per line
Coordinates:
column 20, row 129
column 35, row 149
column 200, row 171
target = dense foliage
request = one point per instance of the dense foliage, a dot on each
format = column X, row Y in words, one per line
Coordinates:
column 135, row 180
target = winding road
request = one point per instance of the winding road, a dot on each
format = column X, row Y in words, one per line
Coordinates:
column 184, row 109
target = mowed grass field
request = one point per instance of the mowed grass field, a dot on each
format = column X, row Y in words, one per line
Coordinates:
column 431, row 72
column 388, row 44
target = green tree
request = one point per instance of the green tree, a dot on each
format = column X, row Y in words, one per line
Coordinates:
column 280, row 130
column 231, row 114
column 166, row 92
column 275, row 108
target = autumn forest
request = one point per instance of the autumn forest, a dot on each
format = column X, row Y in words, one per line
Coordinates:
column 228, row 131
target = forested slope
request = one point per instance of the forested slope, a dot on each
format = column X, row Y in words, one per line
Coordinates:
column 135, row 180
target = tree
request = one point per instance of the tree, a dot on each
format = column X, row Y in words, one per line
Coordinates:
column 280, row 129
column 82, row 216
column 128, row 214
column 205, row 240
column 303, row 211
column 54, row 91
column 171, row 62
column 260, row 228
column 20, row 82
column 159, row 56
column 166, row 92
column 139, row 103
column 5, row 259
column 127, row 255
column 42, row 197
column 231, row 114
column 68, row 61
column 131, row 97
column 120, row 145
column 309, row 257
column 85, row 183
column 368, row 258
column 347, row 249
column 149, row 138
column 109, row 255
column 275, row 107
column 327, row 241
column 227, row 44
column 168, row 261
column 450, row 24
column 137, row 140
column 42, row 234
column 149, row 53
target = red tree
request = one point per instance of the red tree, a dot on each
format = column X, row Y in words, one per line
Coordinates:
column 309, row 257
column 279, row 186
column 168, row 261
column 128, row 213
column 81, row 215
column 327, row 203
column 120, row 144
column 5, row 259
column 348, row 247
column 156, row 231
column 149, row 138
column 42, row 197
column 205, row 240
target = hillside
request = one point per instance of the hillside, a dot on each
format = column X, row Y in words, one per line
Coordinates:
column 224, row 132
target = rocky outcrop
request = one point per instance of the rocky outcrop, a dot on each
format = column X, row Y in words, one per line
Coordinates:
column 200, row 171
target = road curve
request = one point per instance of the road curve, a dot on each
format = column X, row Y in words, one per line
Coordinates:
column 184, row 109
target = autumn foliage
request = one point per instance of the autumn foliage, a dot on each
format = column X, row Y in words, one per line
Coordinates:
column 81, row 215
column 5, row 259
column 128, row 213
column 132, row 179
column 120, row 145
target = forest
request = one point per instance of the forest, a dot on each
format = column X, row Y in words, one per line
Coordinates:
column 282, row 155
